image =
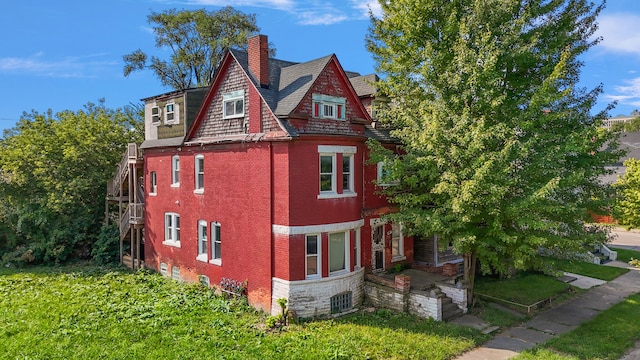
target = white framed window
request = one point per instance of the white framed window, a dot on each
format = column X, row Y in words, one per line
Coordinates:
column 172, row 229
column 155, row 115
column 171, row 114
column 175, row 170
column 203, row 248
column 313, row 256
column 333, row 169
column 397, row 242
column 153, row 183
column 339, row 252
column 199, row 175
column 329, row 107
column 216, row 244
column 383, row 176
column 327, row 173
column 233, row 104
column 347, row 172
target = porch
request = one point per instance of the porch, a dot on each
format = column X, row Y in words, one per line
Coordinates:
column 417, row 292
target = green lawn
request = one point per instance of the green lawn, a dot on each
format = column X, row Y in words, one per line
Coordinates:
column 87, row 312
column 584, row 268
column 625, row 255
column 524, row 288
column 608, row 336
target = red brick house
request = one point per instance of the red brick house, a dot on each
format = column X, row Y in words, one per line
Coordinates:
column 263, row 179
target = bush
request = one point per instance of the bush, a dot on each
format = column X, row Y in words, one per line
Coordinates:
column 106, row 249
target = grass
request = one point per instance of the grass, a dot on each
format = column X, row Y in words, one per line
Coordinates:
column 584, row 268
column 607, row 336
column 524, row 288
column 495, row 316
column 625, row 255
column 85, row 312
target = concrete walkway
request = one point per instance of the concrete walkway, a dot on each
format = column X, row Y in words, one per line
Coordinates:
column 560, row 319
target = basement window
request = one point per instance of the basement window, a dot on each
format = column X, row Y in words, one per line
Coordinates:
column 163, row 269
column 341, row 302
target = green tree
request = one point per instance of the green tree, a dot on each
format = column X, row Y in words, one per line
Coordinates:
column 196, row 40
column 501, row 153
column 53, row 176
column 627, row 206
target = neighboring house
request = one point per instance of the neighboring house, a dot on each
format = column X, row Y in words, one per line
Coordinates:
column 265, row 182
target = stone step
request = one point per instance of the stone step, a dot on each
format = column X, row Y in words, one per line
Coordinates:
column 450, row 310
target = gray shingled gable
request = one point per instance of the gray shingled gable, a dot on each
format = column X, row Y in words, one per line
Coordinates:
column 295, row 82
column 270, row 94
column 288, row 81
column 363, row 84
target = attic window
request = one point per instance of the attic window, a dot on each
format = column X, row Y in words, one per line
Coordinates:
column 328, row 107
column 155, row 114
column 170, row 116
column 233, row 104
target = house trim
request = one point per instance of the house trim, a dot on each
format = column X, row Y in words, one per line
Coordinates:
column 310, row 229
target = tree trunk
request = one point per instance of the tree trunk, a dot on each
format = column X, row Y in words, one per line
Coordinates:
column 470, row 260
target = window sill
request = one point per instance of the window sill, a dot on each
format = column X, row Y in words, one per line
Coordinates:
column 398, row 258
column 153, row 194
column 198, row 191
column 313, row 277
column 175, row 185
column 217, row 262
column 238, row 116
column 339, row 272
column 171, row 243
column 333, row 195
column 203, row 258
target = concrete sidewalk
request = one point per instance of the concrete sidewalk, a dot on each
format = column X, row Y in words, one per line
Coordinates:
column 560, row 319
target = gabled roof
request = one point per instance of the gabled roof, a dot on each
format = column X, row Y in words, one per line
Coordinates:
column 289, row 82
column 295, row 82
column 363, row 85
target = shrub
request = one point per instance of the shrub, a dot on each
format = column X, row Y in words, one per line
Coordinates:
column 106, row 248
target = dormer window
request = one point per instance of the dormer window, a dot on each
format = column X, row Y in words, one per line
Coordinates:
column 170, row 116
column 233, row 104
column 155, row 115
column 328, row 107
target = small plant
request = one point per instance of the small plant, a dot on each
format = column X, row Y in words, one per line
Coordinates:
column 635, row 262
column 280, row 320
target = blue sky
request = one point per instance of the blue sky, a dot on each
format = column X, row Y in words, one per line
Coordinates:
column 62, row 54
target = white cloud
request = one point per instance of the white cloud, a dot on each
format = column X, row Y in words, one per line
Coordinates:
column 67, row 67
column 313, row 17
column 308, row 12
column 365, row 5
column 287, row 5
column 620, row 33
column 628, row 94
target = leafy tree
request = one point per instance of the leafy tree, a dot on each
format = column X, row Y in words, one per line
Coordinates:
column 53, row 176
column 501, row 153
column 197, row 40
column 627, row 206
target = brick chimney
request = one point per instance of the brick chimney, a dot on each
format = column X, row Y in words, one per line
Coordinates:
column 259, row 58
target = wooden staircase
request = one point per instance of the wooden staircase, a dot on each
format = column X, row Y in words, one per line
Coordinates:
column 125, row 196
